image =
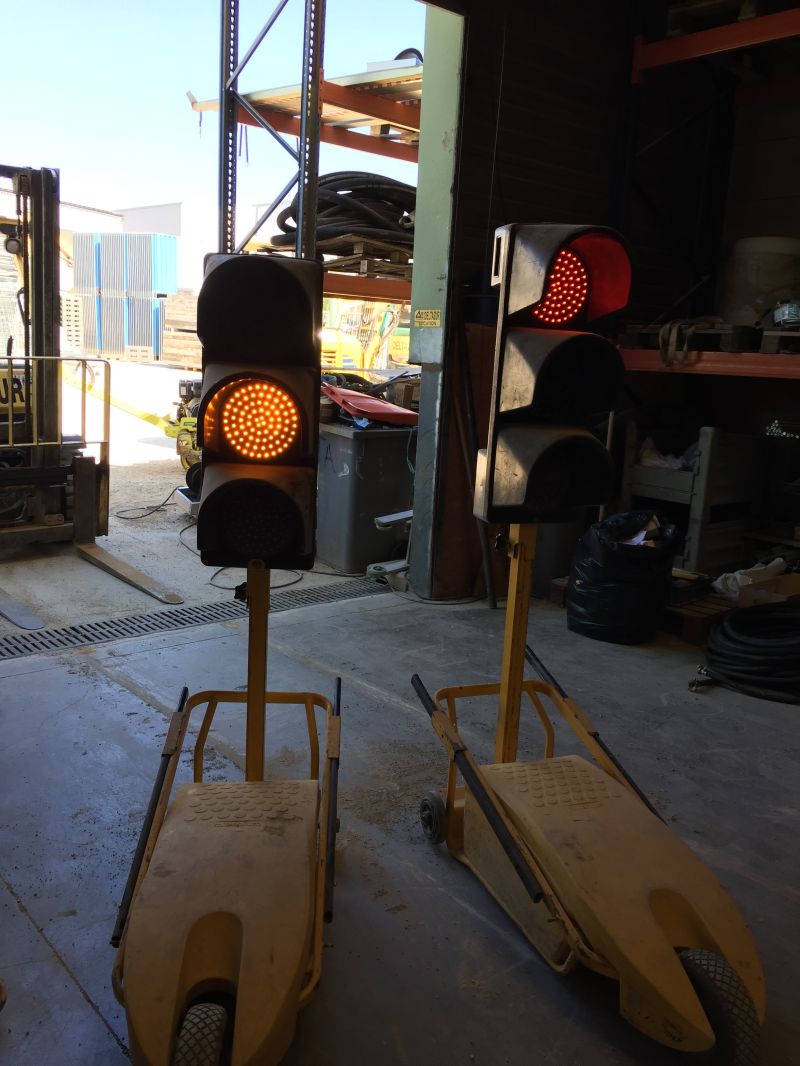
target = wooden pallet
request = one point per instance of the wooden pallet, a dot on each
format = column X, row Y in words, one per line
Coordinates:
column 722, row 338
column 692, row 621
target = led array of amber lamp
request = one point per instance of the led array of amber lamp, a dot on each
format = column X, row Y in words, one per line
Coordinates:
column 259, row 420
column 567, row 289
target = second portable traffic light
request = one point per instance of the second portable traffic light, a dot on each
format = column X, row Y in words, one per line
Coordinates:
column 552, row 383
column 258, row 318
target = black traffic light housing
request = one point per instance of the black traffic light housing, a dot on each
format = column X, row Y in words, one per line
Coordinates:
column 258, row 318
column 551, row 384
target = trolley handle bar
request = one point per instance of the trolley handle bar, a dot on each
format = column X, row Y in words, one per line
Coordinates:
column 545, row 675
column 333, row 817
column 138, row 855
column 471, row 774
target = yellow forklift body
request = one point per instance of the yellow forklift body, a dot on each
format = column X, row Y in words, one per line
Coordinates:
column 12, row 387
column 227, row 904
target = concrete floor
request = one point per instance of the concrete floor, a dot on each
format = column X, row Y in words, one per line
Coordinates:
column 424, row 968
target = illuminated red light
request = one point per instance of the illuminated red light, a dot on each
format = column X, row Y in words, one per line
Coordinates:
column 567, row 289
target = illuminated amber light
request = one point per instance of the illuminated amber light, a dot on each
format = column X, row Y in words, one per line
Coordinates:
column 258, row 420
column 567, row 289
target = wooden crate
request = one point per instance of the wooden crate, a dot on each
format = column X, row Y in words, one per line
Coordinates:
column 692, row 621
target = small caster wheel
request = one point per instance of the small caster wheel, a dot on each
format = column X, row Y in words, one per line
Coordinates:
column 433, row 816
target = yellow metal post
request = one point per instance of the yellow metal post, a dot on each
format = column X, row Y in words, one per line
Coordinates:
column 521, row 550
column 258, row 611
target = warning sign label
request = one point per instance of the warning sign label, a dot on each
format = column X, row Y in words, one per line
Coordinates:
column 427, row 317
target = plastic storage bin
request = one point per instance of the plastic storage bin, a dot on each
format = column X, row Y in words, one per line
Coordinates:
column 363, row 473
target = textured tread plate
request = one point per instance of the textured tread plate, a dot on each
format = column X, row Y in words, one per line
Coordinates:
column 16, row 645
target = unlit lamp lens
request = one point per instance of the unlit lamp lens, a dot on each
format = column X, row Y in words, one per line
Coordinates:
column 259, row 420
column 567, row 289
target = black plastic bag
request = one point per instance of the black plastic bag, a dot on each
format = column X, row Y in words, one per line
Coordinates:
column 617, row 592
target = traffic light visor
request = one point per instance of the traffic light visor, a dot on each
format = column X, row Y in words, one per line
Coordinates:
column 251, row 418
column 558, row 275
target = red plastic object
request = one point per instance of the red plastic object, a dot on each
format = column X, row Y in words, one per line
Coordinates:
column 360, row 405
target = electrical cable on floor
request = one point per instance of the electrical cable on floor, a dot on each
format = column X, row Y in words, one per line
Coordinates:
column 146, row 510
column 756, row 650
column 231, row 588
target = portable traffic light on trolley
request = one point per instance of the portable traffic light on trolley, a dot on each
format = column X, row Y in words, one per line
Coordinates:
column 258, row 318
column 552, row 381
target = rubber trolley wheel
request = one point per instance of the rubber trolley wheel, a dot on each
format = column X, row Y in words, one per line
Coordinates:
column 728, row 1007
column 202, row 1036
column 433, row 817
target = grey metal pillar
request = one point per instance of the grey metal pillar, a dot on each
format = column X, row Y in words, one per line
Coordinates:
column 430, row 294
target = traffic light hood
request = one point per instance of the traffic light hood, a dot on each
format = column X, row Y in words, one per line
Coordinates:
column 561, row 274
column 259, row 309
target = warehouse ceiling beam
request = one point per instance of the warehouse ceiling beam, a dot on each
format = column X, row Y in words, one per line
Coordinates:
column 736, row 35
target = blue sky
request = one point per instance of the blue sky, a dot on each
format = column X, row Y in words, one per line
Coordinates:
column 98, row 90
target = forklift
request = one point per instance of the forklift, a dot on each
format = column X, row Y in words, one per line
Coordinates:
column 570, row 847
column 54, row 484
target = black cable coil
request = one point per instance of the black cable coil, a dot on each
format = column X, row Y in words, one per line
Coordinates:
column 352, row 203
column 756, row 650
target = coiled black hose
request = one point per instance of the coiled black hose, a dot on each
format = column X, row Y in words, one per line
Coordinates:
column 756, row 650
column 359, row 204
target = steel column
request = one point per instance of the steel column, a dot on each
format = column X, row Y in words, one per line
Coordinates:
column 229, row 66
column 313, row 45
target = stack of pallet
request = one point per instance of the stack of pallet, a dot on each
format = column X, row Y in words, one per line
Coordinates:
column 181, row 347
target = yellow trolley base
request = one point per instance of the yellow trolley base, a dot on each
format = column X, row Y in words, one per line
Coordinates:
column 633, row 889
column 227, row 906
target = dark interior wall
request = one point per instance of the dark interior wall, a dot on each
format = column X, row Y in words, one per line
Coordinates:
column 542, row 138
column 544, row 119
column 682, row 132
column 764, row 193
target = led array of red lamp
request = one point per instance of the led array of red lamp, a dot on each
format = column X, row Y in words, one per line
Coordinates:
column 567, row 289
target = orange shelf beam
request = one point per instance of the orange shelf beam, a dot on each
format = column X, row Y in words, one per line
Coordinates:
column 723, row 364
column 744, row 34
column 405, row 116
column 354, row 286
column 361, row 142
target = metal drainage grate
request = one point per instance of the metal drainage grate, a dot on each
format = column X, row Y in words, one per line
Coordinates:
column 16, row 645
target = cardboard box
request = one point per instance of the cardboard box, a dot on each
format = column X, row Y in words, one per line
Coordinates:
column 773, row 590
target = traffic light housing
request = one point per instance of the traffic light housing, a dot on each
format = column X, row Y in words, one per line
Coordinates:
column 258, row 318
column 552, row 380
